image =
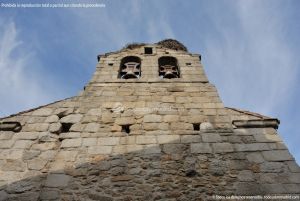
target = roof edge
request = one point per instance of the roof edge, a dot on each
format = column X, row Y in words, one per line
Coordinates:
column 265, row 123
column 36, row 108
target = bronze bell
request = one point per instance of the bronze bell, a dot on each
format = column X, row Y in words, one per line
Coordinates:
column 131, row 70
column 169, row 71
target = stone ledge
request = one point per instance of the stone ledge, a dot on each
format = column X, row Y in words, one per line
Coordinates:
column 262, row 123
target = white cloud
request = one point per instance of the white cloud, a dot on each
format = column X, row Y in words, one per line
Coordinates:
column 19, row 85
column 253, row 66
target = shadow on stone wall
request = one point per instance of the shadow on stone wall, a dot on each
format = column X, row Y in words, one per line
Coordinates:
column 173, row 173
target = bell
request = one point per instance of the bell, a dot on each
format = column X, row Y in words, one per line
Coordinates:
column 129, row 75
column 170, row 75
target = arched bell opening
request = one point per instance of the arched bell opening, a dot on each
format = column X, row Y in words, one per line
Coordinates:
column 130, row 68
column 168, row 67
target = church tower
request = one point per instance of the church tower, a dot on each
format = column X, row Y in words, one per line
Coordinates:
column 148, row 126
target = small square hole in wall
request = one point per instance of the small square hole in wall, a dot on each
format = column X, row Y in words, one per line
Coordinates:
column 126, row 129
column 66, row 127
column 196, row 127
column 188, row 64
column 148, row 50
column 110, row 64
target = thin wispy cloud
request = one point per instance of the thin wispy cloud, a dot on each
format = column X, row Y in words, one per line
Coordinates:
column 20, row 86
column 252, row 63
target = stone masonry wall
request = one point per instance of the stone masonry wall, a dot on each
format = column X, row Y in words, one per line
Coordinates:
column 145, row 139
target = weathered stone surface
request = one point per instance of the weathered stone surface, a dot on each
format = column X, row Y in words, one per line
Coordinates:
column 146, row 139
column 222, row 147
column 49, row 195
column 100, row 150
column 72, row 118
column 125, row 121
column 89, row 142
column 206, row 126
column 152, row 149
column 22, row 144
column 6, row 144
column 171, row 118
column 42, row 112
column 69, row 135
column 52, row 119
column 6, row 135
column 27, row 135
column 3, row 195
column 201, row 148
column 96, row 196
column 67, row 155
column 36, row 164
column 95, row 111
column 163, row 139
column 252, row 147
column 248, row 188
column 152, row 118
column 11, row 154
column 267, row 138
column 57, row 180
column 211, row 137
column 277, row 155
column 30, row 154
column 116, row 127
column 272, row 167
column 246, row 175
column 55, row 127
column 122, row 178
column 71, row 143
column 14, row 165
column 36, row 127
column 181, row 126
column 45, row 146
column 20, row 187
column 190, row 138
column 92, row 127
column 174, row 148
column 108, row 140
column 255, row 157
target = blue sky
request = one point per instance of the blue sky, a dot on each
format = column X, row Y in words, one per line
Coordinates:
column 249, row 50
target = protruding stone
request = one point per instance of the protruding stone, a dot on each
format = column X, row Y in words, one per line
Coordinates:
column 55, row 127
column 206, row 126
column 42, row 112
column 52, row 119
column 72, row 118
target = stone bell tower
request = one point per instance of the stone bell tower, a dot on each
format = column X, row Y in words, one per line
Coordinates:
column 148, row 126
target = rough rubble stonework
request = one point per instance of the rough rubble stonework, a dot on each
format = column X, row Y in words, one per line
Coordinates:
column 143, row 139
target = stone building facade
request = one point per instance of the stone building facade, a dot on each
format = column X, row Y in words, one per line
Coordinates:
column 148, row 126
